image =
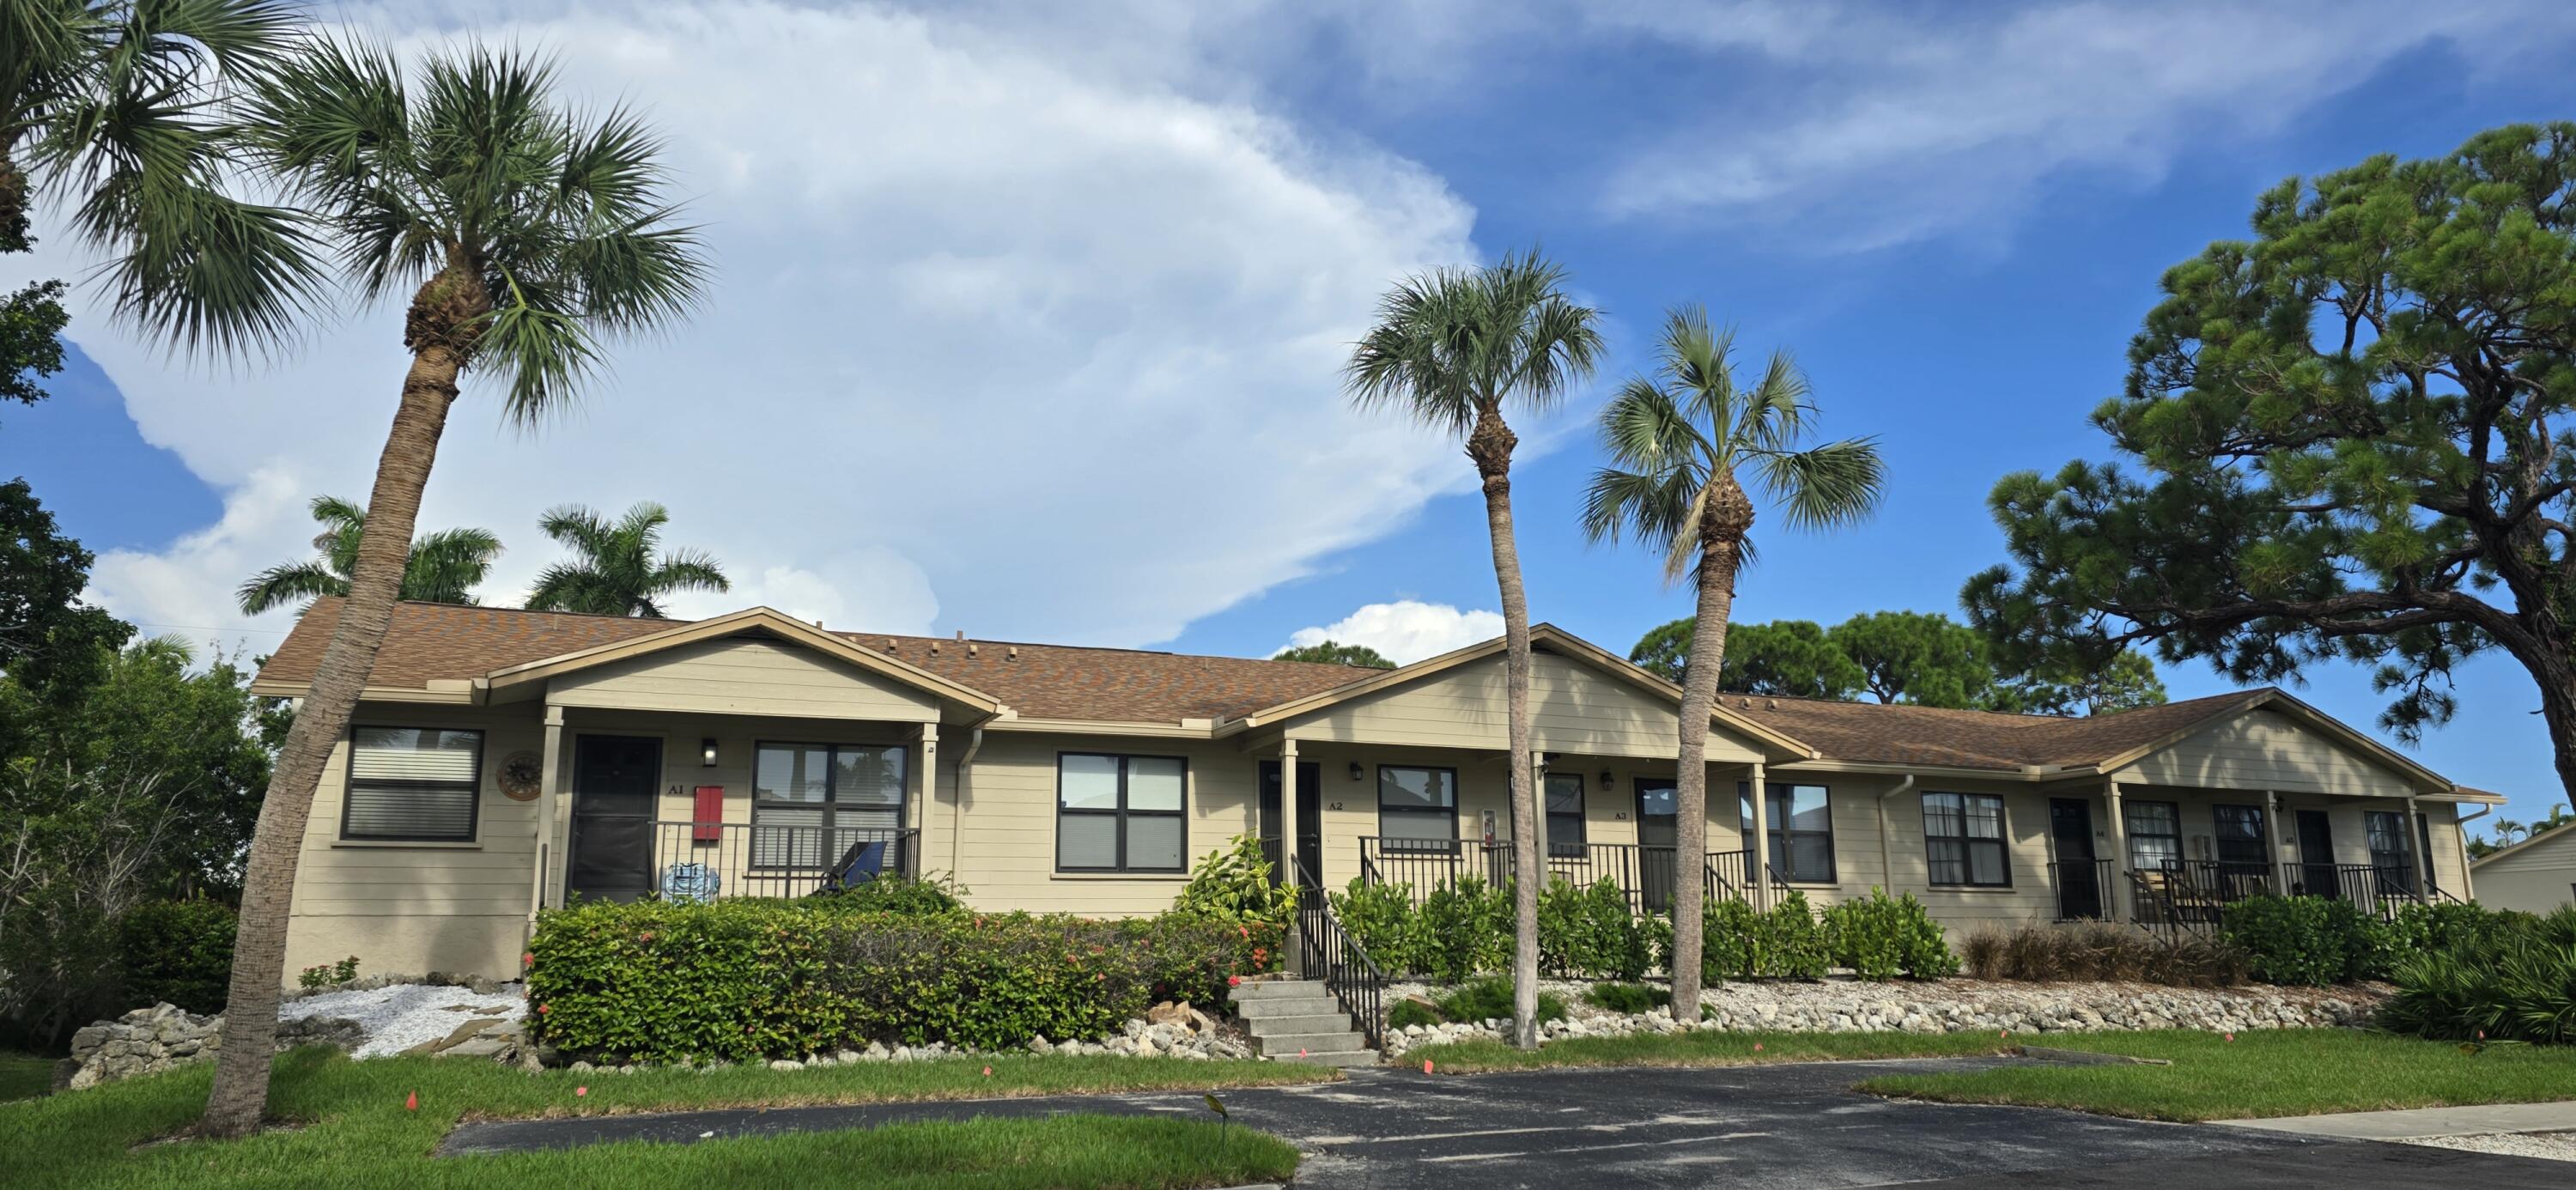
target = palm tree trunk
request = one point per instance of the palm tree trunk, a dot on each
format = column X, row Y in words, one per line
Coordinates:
column 1491, row 445
column 239, row 1099
column 1690, row 786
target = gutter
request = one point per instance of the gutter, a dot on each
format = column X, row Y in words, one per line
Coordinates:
column 957, row 816
column 1886, row 858
column 2460, row 840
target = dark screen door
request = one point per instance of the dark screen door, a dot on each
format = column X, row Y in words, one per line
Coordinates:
column 2079, row 885
column 2316, row 855
column 1310, row 816
column 1659, row 832
column 613, row 781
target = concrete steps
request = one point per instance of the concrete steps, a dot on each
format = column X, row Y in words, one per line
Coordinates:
column 1297, row 1020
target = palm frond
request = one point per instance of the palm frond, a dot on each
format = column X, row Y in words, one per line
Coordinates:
column 1451, row 343
column 1838, row 483
column 288, row 582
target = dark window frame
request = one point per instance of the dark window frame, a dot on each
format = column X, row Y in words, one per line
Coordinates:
column 2002, row 842
column 2129, row 834
column 349, row 783
column 1558, row 846
column 2401, row 860
column 2219, row 838
column 1776, row 824
column 1122, row 814
column 829, row 805
column 1390, row 843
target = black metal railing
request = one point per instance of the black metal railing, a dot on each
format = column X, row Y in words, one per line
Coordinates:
column 2377, row 889
column 1645, row 874
column 708, row 860
column 1326, row 951
column 2084, row 889
column 2179, row 895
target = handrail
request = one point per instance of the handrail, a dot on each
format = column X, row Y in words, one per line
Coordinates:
column 1327, row 951
column 710, row 860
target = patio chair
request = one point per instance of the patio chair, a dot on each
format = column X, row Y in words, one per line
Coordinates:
column 863, row 862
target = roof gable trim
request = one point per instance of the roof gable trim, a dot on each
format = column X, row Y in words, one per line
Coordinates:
column 757, row 619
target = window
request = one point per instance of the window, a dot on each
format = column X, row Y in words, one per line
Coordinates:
column 2388, row 855
column 1417, row 808
column 2241, row 849
column 1963, row 836
column 413, row 784
column 1565, row 814
column 1801, row 823
column 2155, row 835
column 811, row 803
column 1119, row 813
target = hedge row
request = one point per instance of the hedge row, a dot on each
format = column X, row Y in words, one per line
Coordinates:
column 743, row 979
column 2321, row 940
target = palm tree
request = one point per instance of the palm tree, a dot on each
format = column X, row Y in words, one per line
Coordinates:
column 122, row 104
column 2507, row 830
column 523, row 235
column 444, row 567
column 618, row 574
column 1682, row 438
column 1451, row 348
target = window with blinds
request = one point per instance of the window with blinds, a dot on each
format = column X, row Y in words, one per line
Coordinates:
column 1963, row 840
column 412, row 784
column 810, row 803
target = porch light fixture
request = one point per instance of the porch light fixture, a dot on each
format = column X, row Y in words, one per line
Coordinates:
column 707, row 752
column 1605, row 778
column 1355, row 770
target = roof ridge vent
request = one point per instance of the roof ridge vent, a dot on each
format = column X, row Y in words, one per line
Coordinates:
column 891, row 645
column 1015, row 653
column 1770, row 704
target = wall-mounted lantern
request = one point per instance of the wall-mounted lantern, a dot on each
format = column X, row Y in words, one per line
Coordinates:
column 707, row 752
column 1355, row 770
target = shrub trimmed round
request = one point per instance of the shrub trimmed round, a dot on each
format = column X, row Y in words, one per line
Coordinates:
column 659, row 981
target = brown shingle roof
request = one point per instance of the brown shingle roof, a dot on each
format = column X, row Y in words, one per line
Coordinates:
column 430, row 641
column 1903, row 734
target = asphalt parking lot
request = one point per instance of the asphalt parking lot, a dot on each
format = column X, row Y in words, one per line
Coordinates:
column 1779, row 1127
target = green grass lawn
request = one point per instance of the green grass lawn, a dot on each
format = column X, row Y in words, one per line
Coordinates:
column 24, row 1076
column 2291, row 1072
column 352, row 1128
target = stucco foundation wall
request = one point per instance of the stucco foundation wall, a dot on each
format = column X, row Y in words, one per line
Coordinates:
column 488, row 945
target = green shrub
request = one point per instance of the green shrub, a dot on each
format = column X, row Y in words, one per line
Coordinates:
column 1732, row 942
column 1629, row 998
column 1465, row 930
column 1381, row 918
column 2299, row 941
column 1589, row 932
column 1411, row 1012
column 1489, row 997
column 1879, row 938
column 324, row 975
column 1233, row 886
column 892, row 893
column 745, row 979
column 2525, row 991
column 1793, row 945
column 177, row 952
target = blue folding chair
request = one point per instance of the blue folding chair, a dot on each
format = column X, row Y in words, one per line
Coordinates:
column 863, row 862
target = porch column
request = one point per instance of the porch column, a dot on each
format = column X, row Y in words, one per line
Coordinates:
column 2283, row 857
column 2415, row 850
column 916, row 815
column 2119, row 847
column 1288, row 816
column 549, row 777
column 1759, row 859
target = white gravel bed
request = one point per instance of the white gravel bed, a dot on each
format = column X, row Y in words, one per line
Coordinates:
column 2548, row 1146
column 400, row 1016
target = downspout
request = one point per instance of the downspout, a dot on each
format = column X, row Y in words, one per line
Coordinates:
column 2460, row 839
column 957, row 811
column 1886, row 858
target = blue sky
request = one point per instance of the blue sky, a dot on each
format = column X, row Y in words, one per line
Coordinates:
column 1955, row 224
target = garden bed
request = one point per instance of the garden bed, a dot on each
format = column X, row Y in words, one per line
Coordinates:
column 1838, row 1005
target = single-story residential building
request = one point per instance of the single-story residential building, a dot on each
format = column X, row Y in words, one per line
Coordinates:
column 503, row 761
column 2536, row 875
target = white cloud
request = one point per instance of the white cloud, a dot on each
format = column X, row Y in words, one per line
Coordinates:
column 1407, row 630
column 1006, row 334
column 1893, row 125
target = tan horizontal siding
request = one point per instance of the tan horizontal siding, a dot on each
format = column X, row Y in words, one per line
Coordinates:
column 2265, row 750
column 1572, row 709
column 744, row 677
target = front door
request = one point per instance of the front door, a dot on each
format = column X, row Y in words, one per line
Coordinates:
column 1658, row 840
column 2079, row 883
column 1310, row 817
column 613, row 780
column 2316, row 855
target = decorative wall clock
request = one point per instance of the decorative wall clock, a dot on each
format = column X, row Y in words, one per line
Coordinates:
column 522, row 774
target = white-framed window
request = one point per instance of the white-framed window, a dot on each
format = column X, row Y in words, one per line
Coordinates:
column 810, row 803
column 1963, row 837
column 412, row 785
column 1120, row 813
